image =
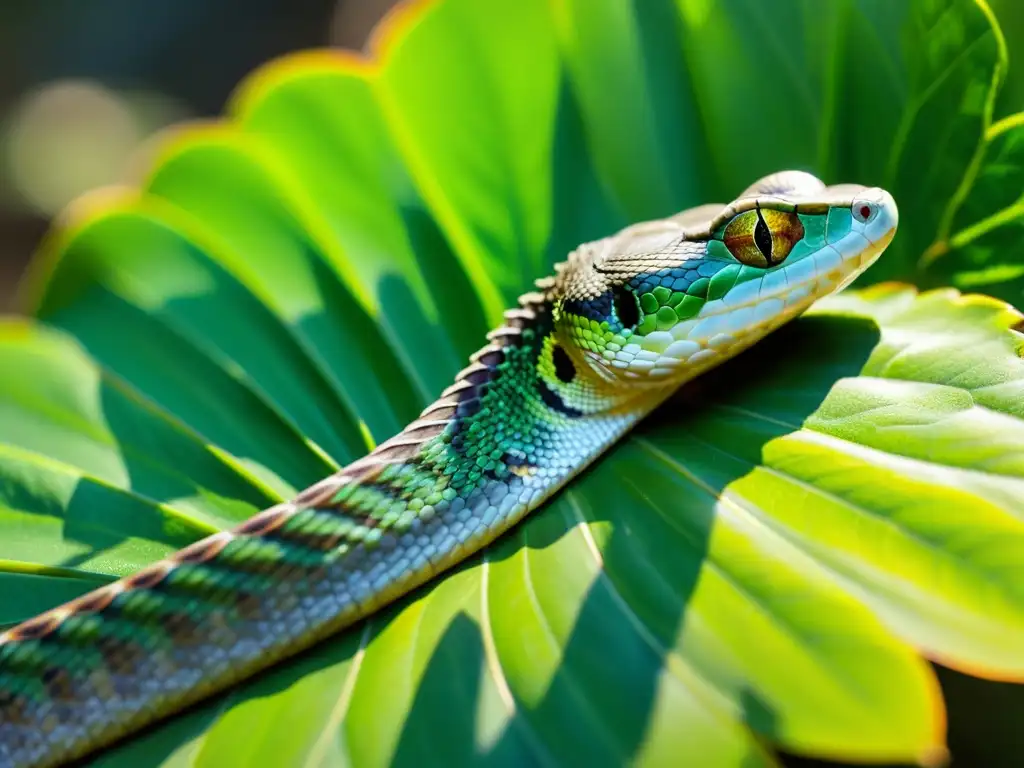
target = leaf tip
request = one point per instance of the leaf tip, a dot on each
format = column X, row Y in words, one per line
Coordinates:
column 163, row 146
column 254, row 89
column 75, row 216
column 395, row 24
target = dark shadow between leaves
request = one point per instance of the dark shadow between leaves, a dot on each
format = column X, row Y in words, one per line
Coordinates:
column 373, row 374
column 463, row 319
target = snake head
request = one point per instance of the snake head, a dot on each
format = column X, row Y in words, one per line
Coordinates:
column 661, row 301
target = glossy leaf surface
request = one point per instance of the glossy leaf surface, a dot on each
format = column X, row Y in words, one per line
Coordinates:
column 761, row 564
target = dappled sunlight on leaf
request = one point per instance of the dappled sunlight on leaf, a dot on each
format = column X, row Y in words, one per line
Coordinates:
column 766, row 562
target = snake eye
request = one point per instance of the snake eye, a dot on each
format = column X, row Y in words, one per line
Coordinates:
column 762, row 237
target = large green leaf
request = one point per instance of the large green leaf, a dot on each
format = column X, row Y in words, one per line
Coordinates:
column 761, row 564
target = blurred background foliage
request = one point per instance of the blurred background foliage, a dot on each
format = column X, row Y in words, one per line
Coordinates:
column 83, row 84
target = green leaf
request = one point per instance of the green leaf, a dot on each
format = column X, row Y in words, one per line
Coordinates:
column 982, row 253
column 894, row 94
column 978, row 240
column 761, row 564
column 1011, row 16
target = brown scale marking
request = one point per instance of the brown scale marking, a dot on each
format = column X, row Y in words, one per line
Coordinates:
column 477, row 376
column 320, row 492
column 148, row 578
column 217, row 625
column 317, row 542
column 95, row 601
column 332, row 541
column 424, row 433
column 398, row 451
column 119, row 655
column 446, row 402
column 424, row 429
column 503, row 336
column 206, row 549
column 14, row 709
column 59, row 683
column 367, row 473
column 487, row 349
column 545, row 283
column 492, row 359
column 454, row 389
column 306, row 535
column 248, row 606
column 532, row 299
column 261, row 524
column 241, row 565
column 467, row 373
column 518, row 323
column 325, row 542
column 341, row 509
column 361, row 470
column 37, row 628
column 182, row 628
column 521, row 314
column 444, row 412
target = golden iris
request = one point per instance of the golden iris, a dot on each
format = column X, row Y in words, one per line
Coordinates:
column 763, row 237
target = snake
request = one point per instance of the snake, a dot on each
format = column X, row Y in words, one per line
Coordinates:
column 584, row 356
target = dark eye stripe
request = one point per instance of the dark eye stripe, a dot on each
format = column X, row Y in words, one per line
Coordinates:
column 763, row 237
column 627, row 308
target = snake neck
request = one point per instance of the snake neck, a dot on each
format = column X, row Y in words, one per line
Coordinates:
column 496, row 443
column 494, row 446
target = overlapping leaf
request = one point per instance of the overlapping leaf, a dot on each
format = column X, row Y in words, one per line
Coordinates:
column 981, row 252
column 760, row 563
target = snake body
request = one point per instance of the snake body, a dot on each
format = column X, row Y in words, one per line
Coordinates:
column 622, row 323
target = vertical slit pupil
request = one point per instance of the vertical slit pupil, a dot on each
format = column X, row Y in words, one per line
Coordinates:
column 564, row 369
column 627, row 309
column 763, row 238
